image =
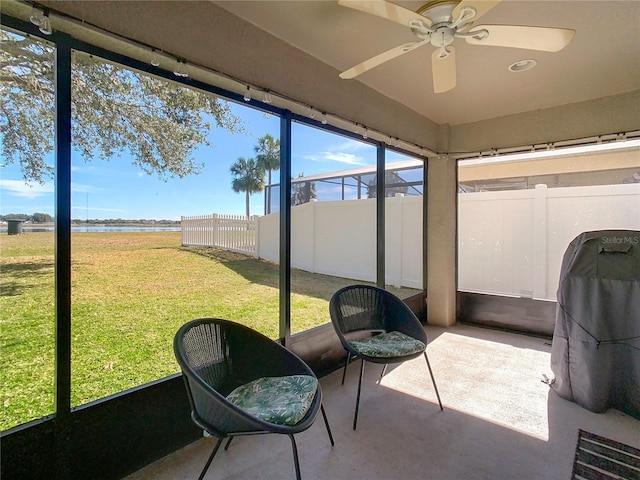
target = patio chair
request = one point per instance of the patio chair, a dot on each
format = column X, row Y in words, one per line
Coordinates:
column 240, row 382
column 378, row 327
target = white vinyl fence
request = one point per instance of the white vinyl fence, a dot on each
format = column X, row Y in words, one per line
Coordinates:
column 509, row 242
column 333, row 238
column 512, row 242
column 231, row 232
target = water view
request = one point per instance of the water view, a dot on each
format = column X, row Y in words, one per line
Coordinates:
column 96, row 228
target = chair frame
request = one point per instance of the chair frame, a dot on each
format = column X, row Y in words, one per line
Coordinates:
column 393, row 315
column 210, row 410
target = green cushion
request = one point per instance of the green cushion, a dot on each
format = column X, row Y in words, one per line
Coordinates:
column 280, row 400
column 388, row 345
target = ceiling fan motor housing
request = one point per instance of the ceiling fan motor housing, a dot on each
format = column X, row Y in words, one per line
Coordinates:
column 442, row 36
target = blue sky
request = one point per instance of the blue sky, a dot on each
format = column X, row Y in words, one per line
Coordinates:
column 116, row 189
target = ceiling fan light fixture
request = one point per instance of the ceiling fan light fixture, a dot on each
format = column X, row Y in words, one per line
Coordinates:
column 522, row 65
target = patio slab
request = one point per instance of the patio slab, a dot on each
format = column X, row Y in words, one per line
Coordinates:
column 500, row 421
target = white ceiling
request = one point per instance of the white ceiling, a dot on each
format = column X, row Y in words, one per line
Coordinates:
column 603, row 59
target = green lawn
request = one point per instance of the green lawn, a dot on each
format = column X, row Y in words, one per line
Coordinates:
column 130, row 293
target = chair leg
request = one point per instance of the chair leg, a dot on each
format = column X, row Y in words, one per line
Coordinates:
column 384, row 369
column 213, row 454
column 226, row 447
column 295, row 456
column 433, row 380
column 355, row 417
column 326, row 423
column 344, row 372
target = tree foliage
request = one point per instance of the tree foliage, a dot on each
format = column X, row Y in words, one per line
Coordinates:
column 114, row 110
column 36, row 217
column 302, row 192
column 393, row 182
column 248, row 174
column 248, row 177
column 268, row 157
column 268, row 154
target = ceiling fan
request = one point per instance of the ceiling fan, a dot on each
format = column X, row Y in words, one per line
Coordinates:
column 440, row 22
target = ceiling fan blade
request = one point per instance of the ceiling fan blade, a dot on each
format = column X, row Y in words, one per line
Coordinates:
column 480, row 6
column 544, row 39
column 444, row 70
column 387, row 10
column 379, row 59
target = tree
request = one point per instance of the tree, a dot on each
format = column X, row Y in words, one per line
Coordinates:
column 115, row 110
column 268, row 157
column 393, row 183
column 302, row 192
column 41, row 218
column 268, row 154
column 248, row 177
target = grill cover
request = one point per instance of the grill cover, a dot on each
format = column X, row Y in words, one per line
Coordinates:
column 595, row 353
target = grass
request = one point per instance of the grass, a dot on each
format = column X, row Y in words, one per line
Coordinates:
column 131, row 291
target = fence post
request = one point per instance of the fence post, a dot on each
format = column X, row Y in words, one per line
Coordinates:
column 314, row 228
column 256, row 236
column 399, row 227
column 540, row 241
column 214, row 230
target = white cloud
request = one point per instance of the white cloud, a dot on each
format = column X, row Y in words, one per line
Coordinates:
column 335, row 156
column 343, row 157
column 103, row 169
column 352, row 146
column 20, row 188
column 84, row 188
column 344, row 153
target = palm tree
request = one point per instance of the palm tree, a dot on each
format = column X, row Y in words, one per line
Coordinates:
column 248, row 177
column 268, row 157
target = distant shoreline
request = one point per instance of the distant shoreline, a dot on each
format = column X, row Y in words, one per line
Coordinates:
column 97, row 228
column 149, row 224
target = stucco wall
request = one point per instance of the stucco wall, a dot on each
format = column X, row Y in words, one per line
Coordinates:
column 608, row 115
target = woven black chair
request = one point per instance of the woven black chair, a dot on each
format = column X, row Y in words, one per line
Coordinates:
column 378, row 327
column 240, row 382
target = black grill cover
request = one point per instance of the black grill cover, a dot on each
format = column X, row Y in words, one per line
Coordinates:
column 595, row 354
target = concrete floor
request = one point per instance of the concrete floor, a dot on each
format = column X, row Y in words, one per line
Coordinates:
column 500, row 421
